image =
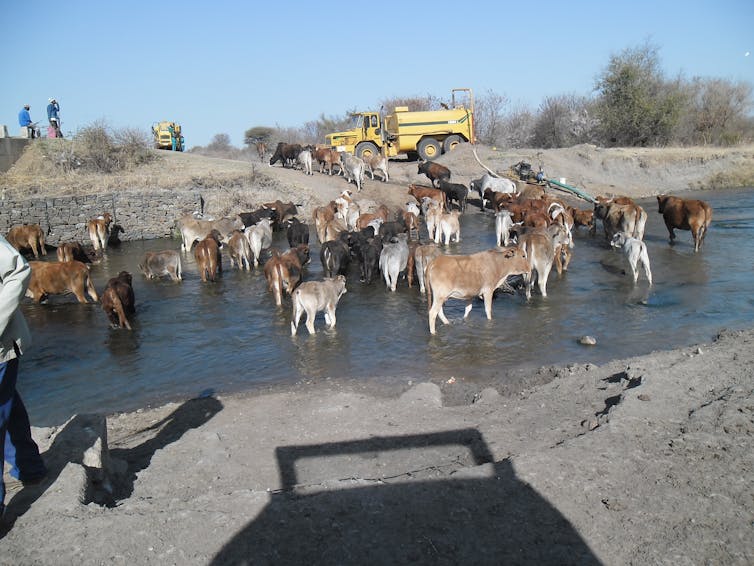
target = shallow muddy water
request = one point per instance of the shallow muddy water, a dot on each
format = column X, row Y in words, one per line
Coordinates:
column 228, row 336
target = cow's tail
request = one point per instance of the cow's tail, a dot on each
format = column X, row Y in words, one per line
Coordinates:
column 531, row 256
column 641, row 222
column 645, row 262
column 328, row 263
column 41, row 241
column 296, row 308
column 284, row 283
column 90, row 286
column 428, row 284
column 119, row 310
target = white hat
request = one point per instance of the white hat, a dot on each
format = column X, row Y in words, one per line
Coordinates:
column 50, row 100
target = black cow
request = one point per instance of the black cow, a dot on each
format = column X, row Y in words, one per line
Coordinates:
column 367, row 250
column 457, row 192
column 251, row 218
column 335, row 256
column 390, row 229
column 434, row 171
column 297, row 232
column 286, row 153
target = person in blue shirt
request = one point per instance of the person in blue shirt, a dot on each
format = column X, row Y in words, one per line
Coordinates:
column 53, row 108
column 24, row 120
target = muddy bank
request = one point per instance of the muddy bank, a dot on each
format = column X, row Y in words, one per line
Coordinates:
column 643, row 460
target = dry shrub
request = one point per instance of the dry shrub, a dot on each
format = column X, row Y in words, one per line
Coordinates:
column 99, row 149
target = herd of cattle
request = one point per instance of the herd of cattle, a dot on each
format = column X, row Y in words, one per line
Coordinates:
column 533, row 232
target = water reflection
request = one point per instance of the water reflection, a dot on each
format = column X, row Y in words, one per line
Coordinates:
column 229, row 335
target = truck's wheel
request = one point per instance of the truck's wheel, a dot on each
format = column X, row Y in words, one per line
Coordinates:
column 452, row 142
column 366, row 150
column 429, row 148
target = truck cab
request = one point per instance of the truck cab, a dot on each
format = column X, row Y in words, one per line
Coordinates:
column 363, row 138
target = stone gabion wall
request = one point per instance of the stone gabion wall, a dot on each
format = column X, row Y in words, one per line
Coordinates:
column 143, row 216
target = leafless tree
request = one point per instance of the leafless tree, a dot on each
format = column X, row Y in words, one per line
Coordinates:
column 489, row 117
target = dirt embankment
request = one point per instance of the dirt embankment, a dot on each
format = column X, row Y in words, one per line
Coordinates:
column 635, row 172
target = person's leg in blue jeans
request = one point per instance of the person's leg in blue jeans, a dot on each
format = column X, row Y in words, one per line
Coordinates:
column 8, row 375
column 21, row 452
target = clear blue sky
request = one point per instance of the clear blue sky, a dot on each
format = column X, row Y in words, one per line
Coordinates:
column 223, row 66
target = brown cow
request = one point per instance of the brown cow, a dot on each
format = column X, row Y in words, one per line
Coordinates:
column 56, row 278
column 685, row 214
column 283, row 211
column 541, row 247
column 322, row 215
column 70, row 251
column 617, row 217
column 286, row 153
column 434, row 171
column 471, row 276
column 382, row 213
column 582, row 217
column 99, row 231
column 239, row 250
column 118, row 300
column 261, row 150
column 208, row 258
column 327, row 158
column 283, row 271
column 421, row 191
column 28, row 236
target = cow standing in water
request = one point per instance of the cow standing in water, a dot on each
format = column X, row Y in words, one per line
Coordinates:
column 685, row 214
column 118, row 300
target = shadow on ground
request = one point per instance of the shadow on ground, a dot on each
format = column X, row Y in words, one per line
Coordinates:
column 191, row 414
column 102, row 487
column 483, row 515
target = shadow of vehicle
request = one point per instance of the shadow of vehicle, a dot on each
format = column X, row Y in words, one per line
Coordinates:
column 481, row 514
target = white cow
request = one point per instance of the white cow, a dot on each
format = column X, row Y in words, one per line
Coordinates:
column 432, row 215
column 393, row 260
column 503, row 225
column 448, row 227
column 353, row 168
column 316, row 296
column 260, row 237
column 377, row 163
column 305, row 160
column 495, row 184
column 635, row 253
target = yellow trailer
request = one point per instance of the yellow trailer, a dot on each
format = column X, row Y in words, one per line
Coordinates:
column 427, row 134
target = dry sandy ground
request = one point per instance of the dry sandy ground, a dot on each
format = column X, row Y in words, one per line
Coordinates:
column 640, row 461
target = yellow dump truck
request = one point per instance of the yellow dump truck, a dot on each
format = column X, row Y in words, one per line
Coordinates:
column 426, row 134
column 167, row 135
